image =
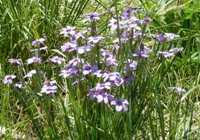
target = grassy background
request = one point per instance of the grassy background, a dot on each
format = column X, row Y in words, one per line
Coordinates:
column 153, row 112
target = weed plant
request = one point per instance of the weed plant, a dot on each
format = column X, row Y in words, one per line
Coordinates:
column 99, row 70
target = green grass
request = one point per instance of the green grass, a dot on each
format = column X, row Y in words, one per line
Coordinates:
column 154, row 112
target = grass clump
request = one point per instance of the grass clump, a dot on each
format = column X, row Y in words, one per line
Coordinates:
column 101, row 72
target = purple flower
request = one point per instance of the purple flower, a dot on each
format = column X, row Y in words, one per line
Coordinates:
column 132, row 65
column 75, row 62
column 84, row 49
column 111, row 61
column 171, row 35
column 166, row 54
column 50, row 82
column 118, row 81
column 43, row 48
column 99, row 93
column 170, row 53
column 92, row 17
column 48, row 89
column 89, row 47
column 89, row 69
column 69, row 72
column 105, row 85
column 103, row 96
column 113, row 24
column 30, row 73
column 77, row 36
column 75, row 83
column 81, row 50
column 95, row 39
column 8, row 79
column 120, row 104
column 134, row 26
column 38, row 41
column 57, row 59
column 18, row 84
column 106, row 53
column 85, row 32
column 110, row 10
column 176, row 50
column 15, row 61
column 131, row 20
column 141, row 53
column 115, row 47
column 138, row 36
column 128, row 79
column 159, row 37
column 145, row 21
column 69, row 46
column 114, row 77
column 122, row 24
column 40, row 49
column 100, row 73
column 130, row 24
column 124, row 37
column 68, row 31
column 128, row 12
column 111, row 76
column 34, row 59
column 93, row 93
column 177, row 89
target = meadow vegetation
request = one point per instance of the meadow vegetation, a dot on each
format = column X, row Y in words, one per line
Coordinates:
column 97, row 69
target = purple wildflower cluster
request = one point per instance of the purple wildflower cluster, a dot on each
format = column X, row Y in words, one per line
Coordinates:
column 47, row 87
column 88, row 58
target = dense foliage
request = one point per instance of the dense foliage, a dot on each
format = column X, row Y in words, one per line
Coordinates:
column 99, row 69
